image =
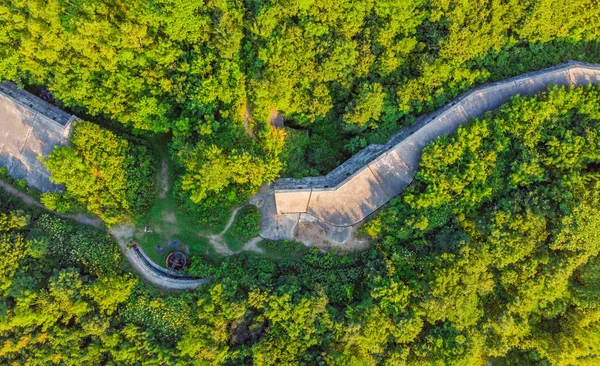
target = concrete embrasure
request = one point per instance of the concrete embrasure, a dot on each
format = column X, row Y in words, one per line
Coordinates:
column 367, row 181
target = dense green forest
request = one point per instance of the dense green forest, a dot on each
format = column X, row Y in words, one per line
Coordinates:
column 211, row 74
column 490, row 256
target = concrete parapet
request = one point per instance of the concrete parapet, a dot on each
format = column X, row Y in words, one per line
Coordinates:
column 35, row 104
column 486, row 99
column 367, row 181
column 584, row 74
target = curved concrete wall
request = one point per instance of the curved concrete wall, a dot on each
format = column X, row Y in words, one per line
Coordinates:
column 370, row 179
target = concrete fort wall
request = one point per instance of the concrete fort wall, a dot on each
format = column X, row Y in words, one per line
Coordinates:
column 378, row 173
column 30, row 128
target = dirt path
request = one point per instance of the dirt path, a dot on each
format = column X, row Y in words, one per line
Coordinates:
column 80, row 218
column 123, row 234
column 247, row 118
column 219, row 244
column 215, row 240
column 231, row 220
column 252, row 246
column 163, row 178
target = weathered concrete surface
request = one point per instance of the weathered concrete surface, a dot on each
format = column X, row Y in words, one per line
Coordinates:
column 274, row 226
column 30, row 128
column 585, row 75
column 364, row 183
column 292, row 200
column 350, row 202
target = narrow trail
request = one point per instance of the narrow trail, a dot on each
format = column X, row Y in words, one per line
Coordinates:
column 123, row 234
column 231, row 220
column 252, row 246
column 163, row 178
column 80, row 218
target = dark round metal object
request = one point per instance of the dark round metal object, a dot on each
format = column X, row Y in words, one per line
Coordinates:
column 176, row 261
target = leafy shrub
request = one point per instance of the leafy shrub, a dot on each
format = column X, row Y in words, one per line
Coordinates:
column 105, row 173
column 245, row 227
column 61, row 203
column 73, row 244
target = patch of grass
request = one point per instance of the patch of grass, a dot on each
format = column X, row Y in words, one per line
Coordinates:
column 279, row 250
column 245, row 227
column 169, row 222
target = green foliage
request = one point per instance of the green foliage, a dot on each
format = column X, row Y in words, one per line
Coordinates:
column 368, row 106
column 60, row 203
column 500, row 221
column 103, row 173
column 73, row 244
column 210, row 169
column 245, row 227
column 282, row 249
column 211, row 73
column 294, row 154
column 492, row 254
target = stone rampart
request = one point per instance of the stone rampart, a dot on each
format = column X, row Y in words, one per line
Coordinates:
column 378, row 173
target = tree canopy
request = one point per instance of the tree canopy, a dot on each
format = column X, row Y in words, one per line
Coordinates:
column 211, row 73
column 103, row 173
column 491, row 256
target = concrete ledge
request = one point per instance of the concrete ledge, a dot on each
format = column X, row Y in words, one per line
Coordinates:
column 486, row 99
column 584, row 74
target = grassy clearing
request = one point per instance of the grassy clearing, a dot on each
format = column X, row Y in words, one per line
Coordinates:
column 245, row 227
column 168, row 223
column 282, row 250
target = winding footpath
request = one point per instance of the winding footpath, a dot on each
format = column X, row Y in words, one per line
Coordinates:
column 220, row 246
column 147, row 269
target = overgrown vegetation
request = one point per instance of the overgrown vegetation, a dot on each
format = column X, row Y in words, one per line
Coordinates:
column 492, row 238
column 491, row 255
column 351, row 73
column 244, row 227
column 103, row 173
